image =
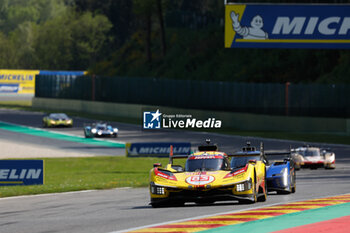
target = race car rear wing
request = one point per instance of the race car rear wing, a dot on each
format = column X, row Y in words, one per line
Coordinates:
column 272, row 153
column 287, row 153
column 248, row 151
column 251, row 151
column 172, row 156
column 281, row 152
column 236, row 154
column 205, row 147
column 208, row 146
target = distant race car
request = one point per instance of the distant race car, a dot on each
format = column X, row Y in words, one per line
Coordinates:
column 100, row 130
column 313, row 157
column 56, row 120
column 206, row 178
column 280, row 174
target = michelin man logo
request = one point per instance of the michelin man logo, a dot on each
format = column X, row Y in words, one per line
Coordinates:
column 151, row 120
column 253, row 32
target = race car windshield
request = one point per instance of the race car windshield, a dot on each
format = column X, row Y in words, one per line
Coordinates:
column 311, row 153
column 59, row 115
column 241, row 161
column 204, row 165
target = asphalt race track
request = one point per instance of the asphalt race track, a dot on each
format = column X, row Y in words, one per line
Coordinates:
column 123, row 209
column 134, row 133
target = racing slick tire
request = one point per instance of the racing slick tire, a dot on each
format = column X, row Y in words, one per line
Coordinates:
column 167, row 204
column 253, row 199
column 203, row 203
column 263, row 195
column 283, row 192
column 157, row 205
column 294, row 186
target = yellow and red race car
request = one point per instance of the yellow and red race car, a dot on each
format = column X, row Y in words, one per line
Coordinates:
column 208, row 177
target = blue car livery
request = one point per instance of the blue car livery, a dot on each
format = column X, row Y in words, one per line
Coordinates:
column 280, row 176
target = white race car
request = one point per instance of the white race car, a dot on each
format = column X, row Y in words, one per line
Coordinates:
column 100, row 130
column 313, row 157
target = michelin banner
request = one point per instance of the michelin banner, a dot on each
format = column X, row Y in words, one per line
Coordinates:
column 21, row 172
column 287, row 26
column 158, row 149
column 23, row 81
column 17, row 81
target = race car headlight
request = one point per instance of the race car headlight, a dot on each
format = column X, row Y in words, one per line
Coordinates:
column 158, row 190
column 53, row 122
column 94, row 130
column 284, row 174
column 247, row 185
column 99, row 132
column 240, row 187
column 69, row 121
column 115, row 130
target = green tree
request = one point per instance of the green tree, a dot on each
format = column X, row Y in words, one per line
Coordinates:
column 50, row 34
column 8, row 58
column 53, row 43
column 24, row 37
column 144, row 9
column 90, row 35
column 120, row 13
column 161, row 25
column 71, row 41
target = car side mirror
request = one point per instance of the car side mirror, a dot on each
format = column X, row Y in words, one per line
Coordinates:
column 157, row 165
column 252, row 161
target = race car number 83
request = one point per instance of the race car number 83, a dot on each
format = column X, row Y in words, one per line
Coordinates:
column 200, row 179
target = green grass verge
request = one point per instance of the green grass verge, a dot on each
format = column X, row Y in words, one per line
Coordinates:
column 73, row 174
column 20, row 104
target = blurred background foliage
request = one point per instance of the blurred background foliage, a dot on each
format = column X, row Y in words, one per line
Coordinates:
column 177, row 39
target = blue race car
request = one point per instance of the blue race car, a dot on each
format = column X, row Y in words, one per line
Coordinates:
column 280, row 175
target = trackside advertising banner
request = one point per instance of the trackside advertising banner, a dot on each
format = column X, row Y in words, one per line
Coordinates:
column 287, row 26
column 17, row 81
column 23, row 81
column 21, row 172
column 9, row 88
column 160, row 149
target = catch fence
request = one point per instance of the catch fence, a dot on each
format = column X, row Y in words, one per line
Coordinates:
column 321, row 100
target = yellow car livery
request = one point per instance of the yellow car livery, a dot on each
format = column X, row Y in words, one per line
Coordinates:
column 56, row 120
column 207, row 177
